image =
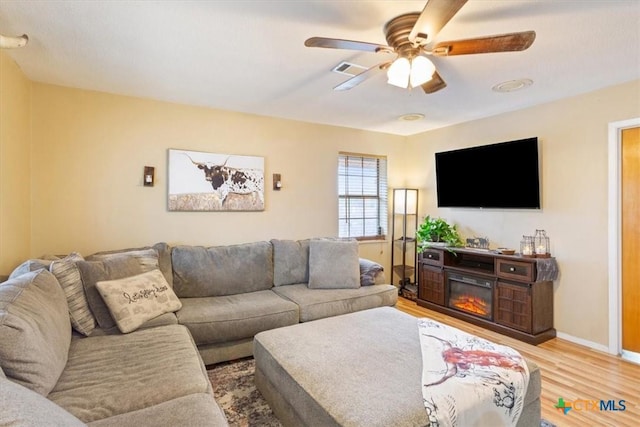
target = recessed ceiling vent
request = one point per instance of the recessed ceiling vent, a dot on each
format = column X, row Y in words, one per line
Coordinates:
column 348, row 69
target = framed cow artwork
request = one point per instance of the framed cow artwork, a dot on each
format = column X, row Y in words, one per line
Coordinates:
column 200, row 181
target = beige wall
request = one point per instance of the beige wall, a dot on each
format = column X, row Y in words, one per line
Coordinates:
column 15, row 165
column 573, row 142
column 89, row 150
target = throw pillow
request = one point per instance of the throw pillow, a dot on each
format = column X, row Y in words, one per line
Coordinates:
column 333, row 264
column 35, row 331
column 371, row 273
column 290, row 262
column 29, row 266
column 134, row 300
column 114, row 268
column 68, row 275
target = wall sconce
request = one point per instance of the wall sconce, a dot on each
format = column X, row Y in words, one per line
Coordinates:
column 405, row 201
column 148, row 178
column 277, row 182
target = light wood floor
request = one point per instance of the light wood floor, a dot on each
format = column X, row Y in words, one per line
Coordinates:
column 570, row 371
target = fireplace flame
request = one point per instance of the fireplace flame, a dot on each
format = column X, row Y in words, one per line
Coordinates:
column 471, row 303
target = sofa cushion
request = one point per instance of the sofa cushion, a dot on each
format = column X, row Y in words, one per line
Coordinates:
column 164, row 257
column 134, row 300
column 22, row 407
column 115, row 374
column 290, row 261
column 109, row 269
column 233, row 317
column 35, row 330
column 320, row 303
column 371, row 273
column 68, row 275
column 193, row 410
column 222, row 270
column 162, row 320
column 333, row 264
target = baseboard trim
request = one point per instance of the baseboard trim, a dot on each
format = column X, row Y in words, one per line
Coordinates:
column 586, row 343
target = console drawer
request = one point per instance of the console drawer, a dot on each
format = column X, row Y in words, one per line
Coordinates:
column 433, row 257
column 515, row 270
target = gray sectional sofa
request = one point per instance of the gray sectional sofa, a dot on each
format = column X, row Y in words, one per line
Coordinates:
column 123, row 337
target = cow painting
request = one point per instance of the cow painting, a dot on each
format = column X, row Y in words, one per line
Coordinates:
column 229, row 187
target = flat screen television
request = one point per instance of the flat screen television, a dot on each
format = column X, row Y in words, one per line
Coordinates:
column 503, row 176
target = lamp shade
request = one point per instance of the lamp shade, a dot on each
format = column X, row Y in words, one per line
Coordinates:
column 398, row 73
column 422, row 70
column 405, row 201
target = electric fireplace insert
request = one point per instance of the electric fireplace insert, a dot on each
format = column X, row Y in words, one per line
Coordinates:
column 471, row 294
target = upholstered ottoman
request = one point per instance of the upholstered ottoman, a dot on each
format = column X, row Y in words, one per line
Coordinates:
column 358, row 369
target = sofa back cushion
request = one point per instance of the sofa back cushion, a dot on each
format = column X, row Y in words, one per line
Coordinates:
column 162, row 249
column 222, row 270
column 117, row 267
column 290, row 262
column 35, row 330
column 333, row 264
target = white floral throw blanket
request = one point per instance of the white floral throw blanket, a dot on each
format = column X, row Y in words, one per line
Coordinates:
column 469, row 381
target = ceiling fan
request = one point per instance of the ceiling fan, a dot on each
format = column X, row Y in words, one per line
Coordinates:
column 411, row 37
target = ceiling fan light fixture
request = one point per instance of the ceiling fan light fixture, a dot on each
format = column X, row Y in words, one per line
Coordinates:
column 422, row 70
column 398, row 73
column 415, row 72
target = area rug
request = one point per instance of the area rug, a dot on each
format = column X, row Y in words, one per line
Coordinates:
column 244, row 406
column 236, row 393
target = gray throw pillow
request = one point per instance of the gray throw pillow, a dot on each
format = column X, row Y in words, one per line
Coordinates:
column 68, row 275
column 290, row 262
column 35, row 330
column 29, row 266
column 114, row 268
column 333, row 264
column 371, row 273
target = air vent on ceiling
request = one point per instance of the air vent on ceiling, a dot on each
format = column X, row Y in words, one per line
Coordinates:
column 348, row 68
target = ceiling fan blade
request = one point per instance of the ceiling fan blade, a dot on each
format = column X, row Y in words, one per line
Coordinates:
column 435, row 84
column 346, row 44
column 499, row 43
column 359, row 78
column 433, row 18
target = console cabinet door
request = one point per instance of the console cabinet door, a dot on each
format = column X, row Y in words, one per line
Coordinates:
column 513, row 306
column 431, row 284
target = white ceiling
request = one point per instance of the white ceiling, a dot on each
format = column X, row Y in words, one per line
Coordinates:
column 249, row 56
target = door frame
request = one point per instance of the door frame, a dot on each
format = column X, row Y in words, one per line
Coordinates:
column 615, row 232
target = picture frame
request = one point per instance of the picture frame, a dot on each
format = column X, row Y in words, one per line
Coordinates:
column 214, row 182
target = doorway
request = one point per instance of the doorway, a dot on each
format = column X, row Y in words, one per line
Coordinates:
column 624, row 276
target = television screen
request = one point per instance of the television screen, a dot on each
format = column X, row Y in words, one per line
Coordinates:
column 503, row 176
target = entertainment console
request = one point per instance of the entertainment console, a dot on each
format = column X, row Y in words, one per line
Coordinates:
column 508, row 294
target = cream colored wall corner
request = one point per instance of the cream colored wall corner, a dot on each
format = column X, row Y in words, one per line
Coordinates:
column 15, row 165
column 573, row 145
column 90, row 149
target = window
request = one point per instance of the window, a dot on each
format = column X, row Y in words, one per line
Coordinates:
column 362, row 196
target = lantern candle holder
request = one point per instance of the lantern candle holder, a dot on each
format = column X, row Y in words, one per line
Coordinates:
column 541, row 244
column 527, row 247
